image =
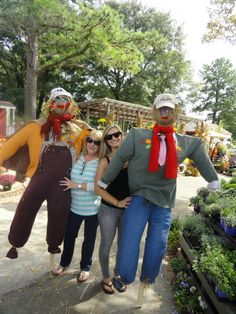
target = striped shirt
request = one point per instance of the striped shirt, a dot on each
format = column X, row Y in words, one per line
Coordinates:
column 85, row 203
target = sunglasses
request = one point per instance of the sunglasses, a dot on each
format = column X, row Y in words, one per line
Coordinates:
column 109, row 136
column 63, row 99
column 90, row 140
column 83, row 167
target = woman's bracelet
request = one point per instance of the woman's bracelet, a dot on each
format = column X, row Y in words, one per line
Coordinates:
column 117, row 203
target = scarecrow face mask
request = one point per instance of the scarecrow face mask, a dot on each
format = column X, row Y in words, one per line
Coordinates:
column 164, row 116
column 60, row 104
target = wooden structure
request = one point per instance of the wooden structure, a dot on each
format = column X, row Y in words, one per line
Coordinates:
column 124, row 113
column 7, row 118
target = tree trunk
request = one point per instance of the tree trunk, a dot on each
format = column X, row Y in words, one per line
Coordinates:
column 31, row 77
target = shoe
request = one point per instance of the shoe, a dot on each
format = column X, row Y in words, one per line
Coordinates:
column 119, row 285
column 12, row 253
column 59, row 270
column 83, row 276
column 107, row 287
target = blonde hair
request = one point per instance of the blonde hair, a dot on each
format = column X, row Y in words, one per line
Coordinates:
column 105, row 148
column 94, row 133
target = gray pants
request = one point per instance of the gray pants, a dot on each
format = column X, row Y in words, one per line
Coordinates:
column 110, row 220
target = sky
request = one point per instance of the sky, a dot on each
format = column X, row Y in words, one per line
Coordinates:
column 192, row 14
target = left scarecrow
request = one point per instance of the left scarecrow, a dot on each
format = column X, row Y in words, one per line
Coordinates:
column 53, row 144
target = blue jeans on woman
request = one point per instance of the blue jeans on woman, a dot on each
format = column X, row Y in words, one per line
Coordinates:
column 136, row 216
column 90, row 231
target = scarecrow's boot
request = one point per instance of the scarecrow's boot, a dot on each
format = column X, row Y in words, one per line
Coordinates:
column 12, row 253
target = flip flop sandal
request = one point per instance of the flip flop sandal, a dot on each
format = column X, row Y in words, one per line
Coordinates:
column 119, row 285
column 109, row 285
column 83, row 276
column 59, row 270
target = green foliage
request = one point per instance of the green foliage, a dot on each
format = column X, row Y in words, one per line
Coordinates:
column 173, row 237
column 218, row 92
column 178, row 264
column 218, row 262
column 211, row 209
column 222, row 21
column 187, row 297
column 59, row 37
column 160, row 43
column 194, row 226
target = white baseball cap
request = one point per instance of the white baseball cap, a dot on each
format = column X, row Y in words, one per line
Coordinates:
column 59, row 91
column 165, row 100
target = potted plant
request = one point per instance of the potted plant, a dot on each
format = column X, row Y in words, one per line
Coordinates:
column 230, row 224
column 173, row 237
column 187, row 296
column 194, row 226
column 198, row 200
column 6, row 180
column 229, row 216
column 219, row 263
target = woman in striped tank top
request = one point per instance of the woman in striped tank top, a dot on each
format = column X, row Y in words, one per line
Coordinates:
column 84, row 207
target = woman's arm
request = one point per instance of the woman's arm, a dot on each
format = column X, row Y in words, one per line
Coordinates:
column 102, row 166
column 69, row 184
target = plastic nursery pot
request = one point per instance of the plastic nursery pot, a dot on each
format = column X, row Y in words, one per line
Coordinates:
column 220, row 294
column 230, row 231
column 222, row 223
column 7, row 187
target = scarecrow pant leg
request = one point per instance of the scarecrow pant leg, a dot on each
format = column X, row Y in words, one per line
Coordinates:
column 26, row 212
column 59, row 202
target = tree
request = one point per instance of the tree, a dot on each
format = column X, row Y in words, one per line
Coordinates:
column 57, row 34
column 163, row 66
column 218, row 92
column 222, row 24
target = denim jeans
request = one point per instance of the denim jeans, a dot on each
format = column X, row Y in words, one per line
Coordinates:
column 136, row 216
column 90, row 231
column 110, row 221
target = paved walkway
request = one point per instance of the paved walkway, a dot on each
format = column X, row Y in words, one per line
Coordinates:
column 27, row 286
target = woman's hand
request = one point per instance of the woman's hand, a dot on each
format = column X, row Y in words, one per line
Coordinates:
column 124, row 203
column 68, row 184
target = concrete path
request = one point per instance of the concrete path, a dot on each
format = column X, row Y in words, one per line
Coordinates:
column 27, row 286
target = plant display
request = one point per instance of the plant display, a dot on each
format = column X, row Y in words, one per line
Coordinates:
column 178, row 264
column 220, row 264
column 187, row 296
column 194, row 226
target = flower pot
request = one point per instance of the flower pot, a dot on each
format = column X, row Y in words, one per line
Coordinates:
column 222, row 223
column 230, row 231
column 220, row 294
column 7, row 187
column 196, row 208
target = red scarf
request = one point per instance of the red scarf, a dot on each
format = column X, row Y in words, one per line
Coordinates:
column 54, row 122
column 171, row 158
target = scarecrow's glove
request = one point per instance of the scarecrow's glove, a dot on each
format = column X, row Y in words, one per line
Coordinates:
column 213, row 185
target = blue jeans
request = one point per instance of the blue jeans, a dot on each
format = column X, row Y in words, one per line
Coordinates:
column 136, row 216
column 90, row 231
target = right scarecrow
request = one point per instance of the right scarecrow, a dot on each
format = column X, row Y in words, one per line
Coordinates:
column 153, row 157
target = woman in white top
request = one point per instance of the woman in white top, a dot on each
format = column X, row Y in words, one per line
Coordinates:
column 84, row 207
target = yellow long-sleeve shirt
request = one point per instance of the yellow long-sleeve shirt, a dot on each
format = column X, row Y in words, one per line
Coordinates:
column 30, row 135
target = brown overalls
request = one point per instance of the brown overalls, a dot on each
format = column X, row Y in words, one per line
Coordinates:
column 55, row 164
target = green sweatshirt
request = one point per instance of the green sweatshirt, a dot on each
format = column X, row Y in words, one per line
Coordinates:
column 154, row 186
